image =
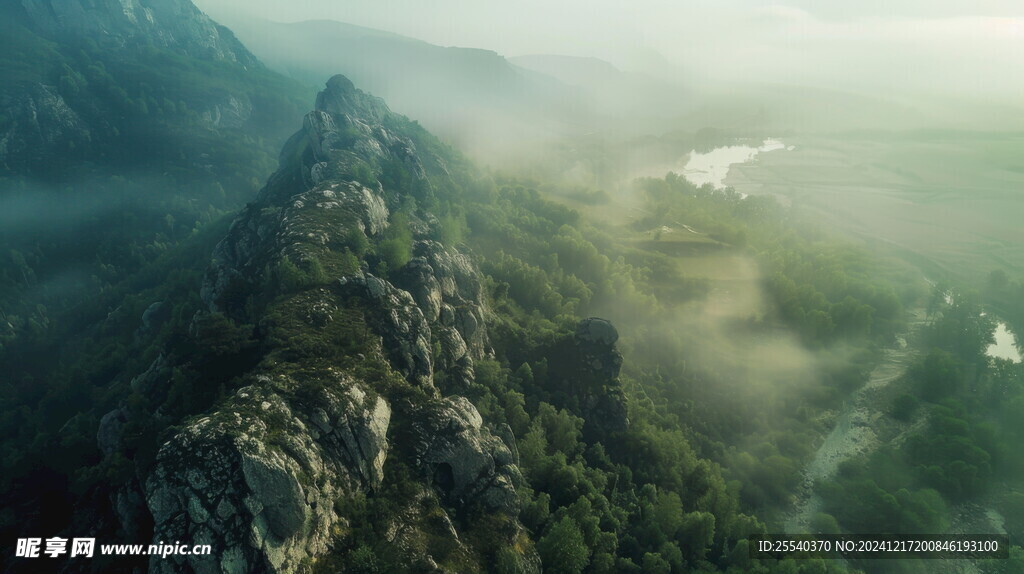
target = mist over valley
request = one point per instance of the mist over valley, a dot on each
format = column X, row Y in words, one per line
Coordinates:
column 535, row 287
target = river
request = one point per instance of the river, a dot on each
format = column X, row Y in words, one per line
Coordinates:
column 713, row 167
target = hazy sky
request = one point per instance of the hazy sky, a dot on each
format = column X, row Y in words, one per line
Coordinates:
column 906, row 46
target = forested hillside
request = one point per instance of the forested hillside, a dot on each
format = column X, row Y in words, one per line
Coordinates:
column 632, row 461
column 117, row 141
column 304, row 330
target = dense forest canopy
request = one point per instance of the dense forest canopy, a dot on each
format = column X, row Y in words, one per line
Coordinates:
column 379, row 355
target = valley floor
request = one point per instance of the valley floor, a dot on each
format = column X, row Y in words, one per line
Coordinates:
column 862, row 425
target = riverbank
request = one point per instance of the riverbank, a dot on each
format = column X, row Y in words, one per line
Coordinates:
column 862, row 424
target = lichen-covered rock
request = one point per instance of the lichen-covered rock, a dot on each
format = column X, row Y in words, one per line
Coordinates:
column 462, row 290
column 418, row 278
column 453, row 348
column 400, row 322
column 467, row 463
column 258, row 479
column 504, row 432
column 344, row 136
column 310, row 224
column 447, row 286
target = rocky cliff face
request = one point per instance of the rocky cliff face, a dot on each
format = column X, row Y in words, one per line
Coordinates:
column 39, row 120
column 585, row 367
column 266, row 476
column 258, row 478
column 175, row 24
column 597, row 375
column 89, row 88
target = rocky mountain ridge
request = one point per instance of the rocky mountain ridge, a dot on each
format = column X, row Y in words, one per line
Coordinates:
column 268, row 475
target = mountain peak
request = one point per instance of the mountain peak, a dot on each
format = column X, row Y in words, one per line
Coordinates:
column 342, row 98
column 340, row 84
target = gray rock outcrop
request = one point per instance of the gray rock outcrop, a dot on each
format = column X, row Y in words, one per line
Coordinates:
column 38, row 120
column 602, row 401
column 596, row 331
column 584, row 370
column 465, row 460
column 258, row 479
column 400, row 322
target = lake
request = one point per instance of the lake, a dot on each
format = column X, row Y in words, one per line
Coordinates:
column 713, row 167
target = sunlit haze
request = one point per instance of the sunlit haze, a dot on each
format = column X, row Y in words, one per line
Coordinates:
column 901, row 47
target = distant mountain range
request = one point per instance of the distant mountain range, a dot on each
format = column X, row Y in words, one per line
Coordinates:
column 490, row 105
column 123, row 124
column 85, row 88
column 469, row 96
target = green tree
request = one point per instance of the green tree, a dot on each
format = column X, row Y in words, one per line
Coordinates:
column 562, row 549
column 823, row 523
column 395, row 249
column 218, row 335
column 356, row 240
column 998, row 279
column 938, row 375
column 904, row 407
column 655, row 564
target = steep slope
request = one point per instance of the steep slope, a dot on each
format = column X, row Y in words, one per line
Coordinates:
column 348, row 394
column 174, row 24
column 348, row 391
column 124, row 127
column 90, row 74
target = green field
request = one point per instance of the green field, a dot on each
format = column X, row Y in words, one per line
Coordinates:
column 949, row 203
